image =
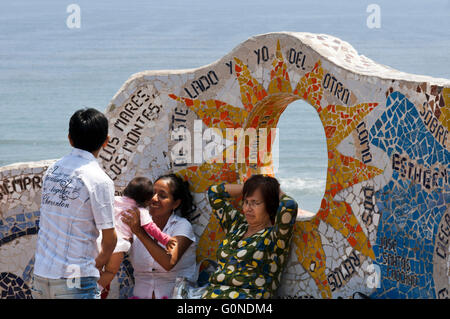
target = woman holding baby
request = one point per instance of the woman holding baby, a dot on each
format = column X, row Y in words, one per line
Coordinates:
column 155, row 270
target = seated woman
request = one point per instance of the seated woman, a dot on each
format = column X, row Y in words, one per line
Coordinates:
column 252, row 256
column 155, row 271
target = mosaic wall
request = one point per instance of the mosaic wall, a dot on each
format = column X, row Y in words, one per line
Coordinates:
column 20, row 194
column 383, row 226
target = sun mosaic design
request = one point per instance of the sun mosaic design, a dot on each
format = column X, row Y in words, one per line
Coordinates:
column 263, row 108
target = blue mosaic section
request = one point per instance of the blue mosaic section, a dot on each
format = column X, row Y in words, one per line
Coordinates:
column 413, row 202
column 126, row 278
column 28, row 272
column 11, row 285
column 18, row 225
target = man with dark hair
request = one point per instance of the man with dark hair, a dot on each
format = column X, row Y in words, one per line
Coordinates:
column 88, row 129
column 77, row 202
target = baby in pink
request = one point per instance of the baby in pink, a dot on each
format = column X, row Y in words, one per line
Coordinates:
column 124, row 234
column 138, row 193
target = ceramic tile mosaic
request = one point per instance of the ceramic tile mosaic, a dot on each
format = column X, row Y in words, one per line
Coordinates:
column 383, row 226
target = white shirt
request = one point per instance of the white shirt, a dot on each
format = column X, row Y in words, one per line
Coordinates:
column 77, row 202
column 150, row 276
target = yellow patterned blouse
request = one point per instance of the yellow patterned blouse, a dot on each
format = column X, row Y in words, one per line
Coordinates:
column 250, row 267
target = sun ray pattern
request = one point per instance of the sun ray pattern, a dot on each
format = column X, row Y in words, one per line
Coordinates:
column 251, row 90
column 279, row 77
column 263, row 109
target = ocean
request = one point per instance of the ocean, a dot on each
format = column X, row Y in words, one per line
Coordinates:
column 47, row 70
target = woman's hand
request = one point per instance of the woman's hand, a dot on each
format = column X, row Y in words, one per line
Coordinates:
column 171, row 245
column 132, row 218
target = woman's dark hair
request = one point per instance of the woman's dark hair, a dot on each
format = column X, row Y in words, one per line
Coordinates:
column 180, row 190
column 88, row 129
column 270, row 191
column 140, row 189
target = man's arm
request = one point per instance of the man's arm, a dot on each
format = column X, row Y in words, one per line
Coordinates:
column 109, row 240
column 111, row 269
